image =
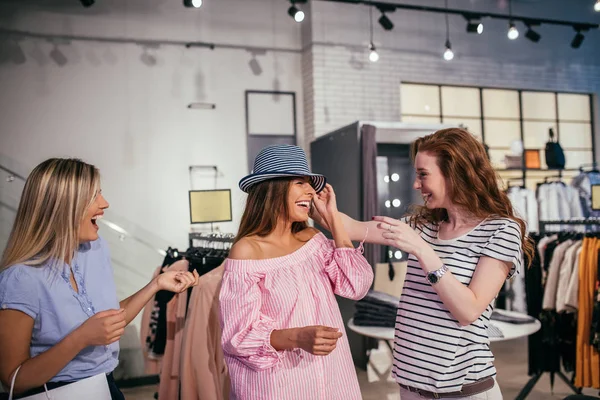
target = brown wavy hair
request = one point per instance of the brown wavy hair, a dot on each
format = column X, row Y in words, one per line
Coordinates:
column 266, row 204
column 471, row 180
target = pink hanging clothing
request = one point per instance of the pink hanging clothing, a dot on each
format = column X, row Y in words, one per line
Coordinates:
column 296, row 290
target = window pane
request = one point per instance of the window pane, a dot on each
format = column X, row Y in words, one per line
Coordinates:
column 539, row 105
column 419, row 99
column 460, row 102
column 500, row 103
column 421, row 120
column 536, row 134
column 574, row 158
column 575, row 134
column 471, row 124
column 501, row 133
column 574, row 107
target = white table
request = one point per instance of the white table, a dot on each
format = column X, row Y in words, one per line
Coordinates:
column 510, row 331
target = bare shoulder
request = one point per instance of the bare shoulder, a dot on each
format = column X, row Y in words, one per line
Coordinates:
column 307, row 234
column 246, row 248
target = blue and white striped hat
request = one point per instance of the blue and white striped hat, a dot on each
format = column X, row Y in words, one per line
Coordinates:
column 281, row 161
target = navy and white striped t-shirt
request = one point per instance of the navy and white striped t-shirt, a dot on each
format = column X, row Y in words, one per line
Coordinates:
column 432, row 351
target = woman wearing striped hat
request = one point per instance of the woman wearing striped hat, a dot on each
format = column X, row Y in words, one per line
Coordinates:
column 283, row 334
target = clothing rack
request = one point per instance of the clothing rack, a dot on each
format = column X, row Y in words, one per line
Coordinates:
column 587, row 221
column 532, row 382
column 210, row 237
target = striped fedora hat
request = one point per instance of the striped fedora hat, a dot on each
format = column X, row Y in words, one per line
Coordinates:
column 281, row 161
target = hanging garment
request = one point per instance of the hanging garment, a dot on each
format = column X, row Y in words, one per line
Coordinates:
column 204, row 374
column 551, row 285
column 583, row 184
column 148, row 333
column 572, row 294
column 525, row 205
column 169, row 374
column 564, row 277
column 535, row 292
column 587, row 368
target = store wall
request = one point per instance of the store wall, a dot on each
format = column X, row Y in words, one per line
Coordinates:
column 345, row 86
column 111, row 107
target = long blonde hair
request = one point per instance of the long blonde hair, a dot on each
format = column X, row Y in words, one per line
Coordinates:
column 56, row 197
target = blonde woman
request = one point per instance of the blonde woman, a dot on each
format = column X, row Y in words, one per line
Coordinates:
column 60, row 319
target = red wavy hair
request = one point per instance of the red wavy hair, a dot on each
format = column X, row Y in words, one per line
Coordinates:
column 472, row 182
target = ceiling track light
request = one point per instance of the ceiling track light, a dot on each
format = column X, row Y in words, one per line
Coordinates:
column 192, row 3
column 386, row 23
column 531, row 34
column 475, row 27
column 87, row 3
column 296, row 13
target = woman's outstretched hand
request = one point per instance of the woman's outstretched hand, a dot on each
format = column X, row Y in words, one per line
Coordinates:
column 177, row 281
column 400, row 235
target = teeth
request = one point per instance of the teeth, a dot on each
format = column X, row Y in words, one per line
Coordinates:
column 304, row 204
column 96, row 217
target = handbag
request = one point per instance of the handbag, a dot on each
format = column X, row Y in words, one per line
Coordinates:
column 555, row 157
column 92, row 388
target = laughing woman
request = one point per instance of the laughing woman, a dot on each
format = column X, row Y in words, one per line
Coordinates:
column 463, row 244
column 60, row 320
column 283, row 334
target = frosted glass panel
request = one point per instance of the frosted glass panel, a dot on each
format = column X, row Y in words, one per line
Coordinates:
column 574, row 107
column 461, row 102
column 420, row 119
column 539, row 105
column 471, row 124
column 576, row 158
column 536, row 134
column 500, row 103
column 419, row 99
column 501, row 133
column 575, row 134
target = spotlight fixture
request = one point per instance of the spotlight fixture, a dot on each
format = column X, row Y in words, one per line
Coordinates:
column 577, row 40
column 386, row 23
column 373, row 55
column 87, row 3
column 192, row 3
column 513, row 32
column 448, row 54
column 475, row 27
column 298, row 15
column 597, row 6
column 532, row 35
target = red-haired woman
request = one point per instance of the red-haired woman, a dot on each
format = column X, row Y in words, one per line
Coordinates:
column 463, row 244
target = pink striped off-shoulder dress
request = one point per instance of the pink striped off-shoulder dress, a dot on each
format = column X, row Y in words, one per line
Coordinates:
column 259, row 296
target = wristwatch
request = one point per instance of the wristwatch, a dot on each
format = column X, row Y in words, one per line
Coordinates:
column 434, row 276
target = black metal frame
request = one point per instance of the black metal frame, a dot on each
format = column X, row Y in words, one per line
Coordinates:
column 211, row 190
column 521, row 120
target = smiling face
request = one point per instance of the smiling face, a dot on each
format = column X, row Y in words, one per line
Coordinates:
column 88, row 231
column 430, row 181
column 300, row 195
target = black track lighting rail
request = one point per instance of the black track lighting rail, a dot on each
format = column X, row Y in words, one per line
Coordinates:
column 471, row 15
